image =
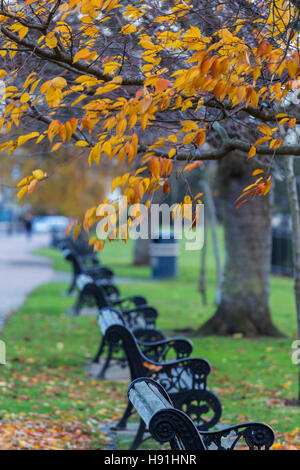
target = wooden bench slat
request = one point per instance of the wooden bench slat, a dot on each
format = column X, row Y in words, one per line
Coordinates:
column 145, row 402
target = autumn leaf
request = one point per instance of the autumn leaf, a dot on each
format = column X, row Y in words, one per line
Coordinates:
column 192, row 166
column 154, row 167
column 252, row 152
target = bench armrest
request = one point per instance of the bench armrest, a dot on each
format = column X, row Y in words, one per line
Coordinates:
column 141, row 316
column 130, row 301
column 98, row 272
column 254, row 435
column 181, row 374
column 149, row 335
column 89, row 258
column 158, row 350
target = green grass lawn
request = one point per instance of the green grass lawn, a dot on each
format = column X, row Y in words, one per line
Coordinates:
column 45, row 380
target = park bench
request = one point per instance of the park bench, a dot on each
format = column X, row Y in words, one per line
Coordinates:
column 102, row 294
column 166, row 423
column 81, row 248
column 185, row 378
column 97, row 272
column 137, row 315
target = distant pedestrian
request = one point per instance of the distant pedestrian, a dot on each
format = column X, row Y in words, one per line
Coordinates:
column 28, row 221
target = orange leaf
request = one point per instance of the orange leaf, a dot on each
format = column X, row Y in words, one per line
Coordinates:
column 152, row 366
column 166, row 187
column 32, row 186
column 192, row 166
column 161, row 85
column 69, row 227
column 200, row 138
column 252, row 152
column 154, row 167
column 241, row 203
column 257, row 172
column 263, row 48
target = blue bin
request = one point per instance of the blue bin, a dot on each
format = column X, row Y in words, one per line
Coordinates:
column 164, row 253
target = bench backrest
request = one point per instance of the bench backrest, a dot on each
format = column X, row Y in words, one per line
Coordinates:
column 165, row 423
column 87, row 286
column 108, row 318
column 184, row 374
column 70, row 256
column 83, row 280
column 142, row 317
column 113, row 328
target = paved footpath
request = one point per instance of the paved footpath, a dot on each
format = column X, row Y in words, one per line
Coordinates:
column 20, row 270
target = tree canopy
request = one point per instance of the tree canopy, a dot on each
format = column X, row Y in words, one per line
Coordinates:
column 150, row 83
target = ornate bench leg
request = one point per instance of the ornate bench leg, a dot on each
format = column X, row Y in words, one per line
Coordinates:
column 78, row 305
column 139, row 436
column 101, row 374
column 99, row 352
column 72, row 285
column 122, row 424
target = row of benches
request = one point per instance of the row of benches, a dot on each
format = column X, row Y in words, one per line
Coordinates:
column 171, row 396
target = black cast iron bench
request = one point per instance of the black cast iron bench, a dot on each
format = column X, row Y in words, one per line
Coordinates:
column 137, row 315
column 167, row 423
column 81, row 248
column 102, row 294
column 185, row 378
column 101, row 274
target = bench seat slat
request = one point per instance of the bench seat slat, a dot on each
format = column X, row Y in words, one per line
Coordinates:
column 146, row 401
column 108, row 317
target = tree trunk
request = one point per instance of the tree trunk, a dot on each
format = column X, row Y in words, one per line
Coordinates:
column 295, row 213
column 244, row 306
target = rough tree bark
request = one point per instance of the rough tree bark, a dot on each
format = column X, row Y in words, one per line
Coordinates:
column 295, row 213
column 244, row 306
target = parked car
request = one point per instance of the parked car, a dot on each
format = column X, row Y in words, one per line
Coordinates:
column 51, row 223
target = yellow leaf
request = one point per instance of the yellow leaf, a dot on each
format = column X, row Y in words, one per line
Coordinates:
column 24, row 138
column 172, row 153
column 292, row 68
column 252, row 152
column 265, row 129
column 76, row 231
column 22, row 192
column 51, row 41
column 24, row 181
column 25, row 98
column 81, row 143
column 59, row 82
column 128, row 29
column 188, row 138
column 257, row 172
column 85, row 54
column 39, row 174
